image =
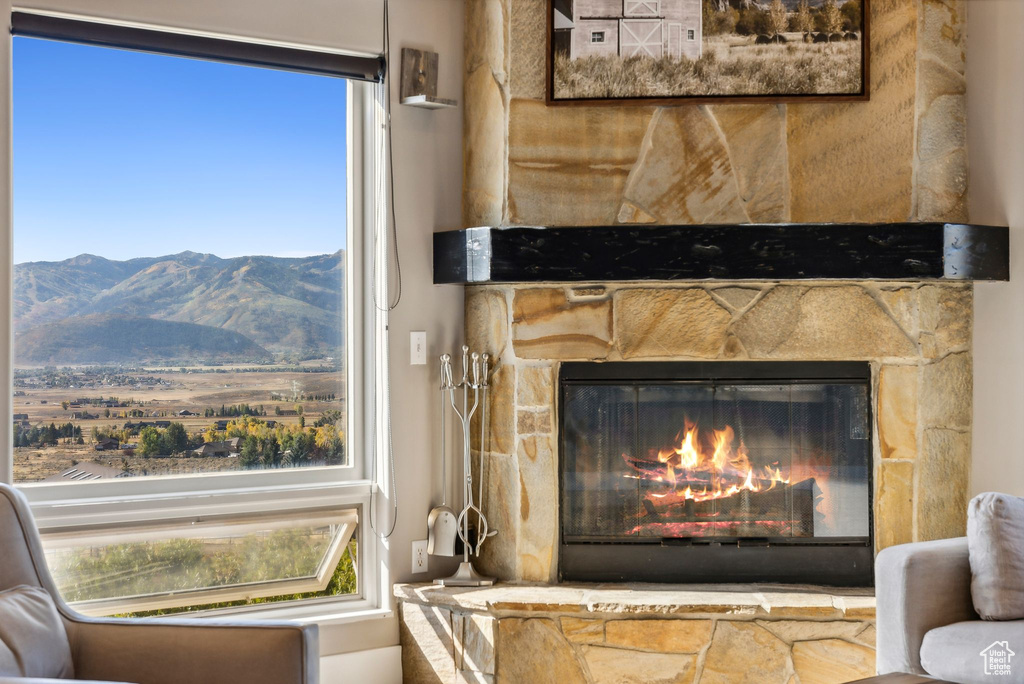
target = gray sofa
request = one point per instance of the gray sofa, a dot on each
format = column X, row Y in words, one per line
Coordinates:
column 926, row 620
column 147, row 651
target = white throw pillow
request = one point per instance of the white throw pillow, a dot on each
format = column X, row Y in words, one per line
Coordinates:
column 33, row 642
column 995, row 541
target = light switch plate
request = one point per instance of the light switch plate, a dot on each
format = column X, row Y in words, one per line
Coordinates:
column 418, row 348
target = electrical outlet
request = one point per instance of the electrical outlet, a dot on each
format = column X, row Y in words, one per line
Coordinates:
column 418, row 348
column 419, row 556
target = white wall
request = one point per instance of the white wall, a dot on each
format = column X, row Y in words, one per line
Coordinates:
column 428, row 183
column 428, row 186
column 995, row 141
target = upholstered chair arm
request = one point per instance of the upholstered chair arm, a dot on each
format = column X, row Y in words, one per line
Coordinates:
column 919, row 587
column 38, row 680
column 192, row 651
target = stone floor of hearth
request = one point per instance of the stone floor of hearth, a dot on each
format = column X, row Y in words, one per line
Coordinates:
column 736, row 600
column 600, row 633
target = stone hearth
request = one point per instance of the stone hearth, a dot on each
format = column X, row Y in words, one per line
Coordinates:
column 917, row 338
column 636, row 633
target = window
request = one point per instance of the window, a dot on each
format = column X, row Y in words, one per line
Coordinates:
column 180, row 258
column 691, row 34
column 597, row 36
column 190, row 338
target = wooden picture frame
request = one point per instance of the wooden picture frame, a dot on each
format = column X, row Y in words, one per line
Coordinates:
column 556, row 41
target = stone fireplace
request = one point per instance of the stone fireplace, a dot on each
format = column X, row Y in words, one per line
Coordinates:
column 896, row 158
column 914, row 340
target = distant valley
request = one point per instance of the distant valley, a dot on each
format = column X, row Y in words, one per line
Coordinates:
column 181, row 307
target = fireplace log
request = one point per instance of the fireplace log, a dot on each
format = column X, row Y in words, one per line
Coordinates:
column 792, row 504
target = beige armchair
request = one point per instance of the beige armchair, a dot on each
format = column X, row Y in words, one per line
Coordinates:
column 153, row 650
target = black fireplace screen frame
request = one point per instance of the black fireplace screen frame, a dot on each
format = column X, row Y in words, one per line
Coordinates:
column 834, row 561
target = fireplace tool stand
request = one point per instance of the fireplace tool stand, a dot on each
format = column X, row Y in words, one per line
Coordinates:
column 474, row 383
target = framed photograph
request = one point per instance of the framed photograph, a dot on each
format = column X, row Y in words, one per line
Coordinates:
column 676, row 51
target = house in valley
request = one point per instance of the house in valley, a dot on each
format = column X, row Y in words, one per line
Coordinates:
column 629, row 28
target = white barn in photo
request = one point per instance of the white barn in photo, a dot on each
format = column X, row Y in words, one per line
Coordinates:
column 629, row 28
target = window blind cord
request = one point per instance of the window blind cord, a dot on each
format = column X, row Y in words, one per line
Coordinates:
column 386, row 198
column 383, row 129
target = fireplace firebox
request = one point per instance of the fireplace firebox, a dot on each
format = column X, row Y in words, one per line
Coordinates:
column 716, row 472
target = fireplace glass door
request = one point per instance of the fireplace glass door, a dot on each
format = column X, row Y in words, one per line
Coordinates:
column 699, row 455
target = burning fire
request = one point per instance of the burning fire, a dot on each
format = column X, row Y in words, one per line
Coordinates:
column 697, row 472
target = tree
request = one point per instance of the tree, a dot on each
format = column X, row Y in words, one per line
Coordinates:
column 250, row 454
column 778, row 20
column 64, row 404
column 149, row 442
column 802, row 20
column 752, row 21
column 175, row 439
column 851, row 15
column 832, row 18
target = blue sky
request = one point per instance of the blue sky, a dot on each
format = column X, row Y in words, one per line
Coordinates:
column 126, row 154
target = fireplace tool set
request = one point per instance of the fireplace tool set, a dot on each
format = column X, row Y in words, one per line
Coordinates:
column 472, row 390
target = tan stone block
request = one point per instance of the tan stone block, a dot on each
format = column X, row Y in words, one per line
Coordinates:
column 897, row 411
column 736, row 297
column 568, row 165
column 534, row 423
column 756, row 138
column 533, row 650
column 483, row 157
column 666, row 636
column 501, row 414
column 947, row 392
column 808, row 630
column 745, row 653
column 527, row 54
column 669, row 322
column 474, row 642
column 942, row 31
column 427, row 643
column 500, row 555
column 615, row 666
column 942, row 188
column 683, row 173
column 535, row 386
column 832, row 661
column 538, row 528
column 942, row 491
column 583, row 630
column 867, row 637
column 942, row 127
column 546, row 325
column 834, row 322
column 902, row 305
column 587, row 291
column 485, row 36
column 487, row 320
column 834, row 148
column 894, row 504
column 947, row 315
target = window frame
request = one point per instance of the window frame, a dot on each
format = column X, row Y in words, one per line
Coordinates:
column 595, row 35
column 109, row 504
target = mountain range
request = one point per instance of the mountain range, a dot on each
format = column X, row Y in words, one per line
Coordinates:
column 260, row 305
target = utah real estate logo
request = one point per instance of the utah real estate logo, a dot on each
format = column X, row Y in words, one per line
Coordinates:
column 997, row 658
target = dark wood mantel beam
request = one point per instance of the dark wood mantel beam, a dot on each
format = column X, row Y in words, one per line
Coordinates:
column 790, row 251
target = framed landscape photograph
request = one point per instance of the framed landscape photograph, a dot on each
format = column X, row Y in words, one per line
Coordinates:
column 670, row 51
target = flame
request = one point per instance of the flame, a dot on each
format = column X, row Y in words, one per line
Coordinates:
column 720, row 469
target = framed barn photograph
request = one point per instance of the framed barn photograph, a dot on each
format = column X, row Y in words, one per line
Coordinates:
column 667, row 51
